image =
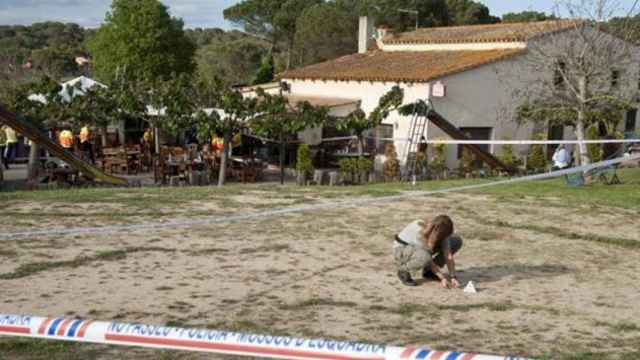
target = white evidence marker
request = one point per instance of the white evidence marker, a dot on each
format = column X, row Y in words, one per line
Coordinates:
column 470, row 288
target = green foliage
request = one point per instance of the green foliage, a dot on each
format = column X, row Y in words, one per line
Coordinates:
column 537, row 159
column 271, row 19
column 358, row 122
column 508, row 157
column 304, row 163
column 43, row 114
column 438, row 161
column 233, row 62
column 430, row 13
column 357, row 168
column 318, row 40
column 526, row 16
column 279, row 118
column 468, row 12
column 347, row 166
column 466, row 163
column 140, row 37
column 364, row 165
column 595, row 150
column 266, row 72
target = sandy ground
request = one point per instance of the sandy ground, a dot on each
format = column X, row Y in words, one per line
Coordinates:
column 554, row 288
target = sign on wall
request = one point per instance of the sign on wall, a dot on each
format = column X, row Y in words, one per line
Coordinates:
column 439, row 90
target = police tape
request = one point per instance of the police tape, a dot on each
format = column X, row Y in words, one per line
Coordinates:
column 216, row 341
column 309, row 208
column 507, row 142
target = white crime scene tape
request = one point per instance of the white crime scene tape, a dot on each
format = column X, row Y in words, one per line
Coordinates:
column 309, row 208
column 216, row 341
column 508, row 142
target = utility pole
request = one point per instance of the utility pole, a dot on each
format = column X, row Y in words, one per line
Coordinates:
column 414, row 12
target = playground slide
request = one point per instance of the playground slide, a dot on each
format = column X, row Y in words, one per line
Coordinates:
column 456, row 134
column 24, row 127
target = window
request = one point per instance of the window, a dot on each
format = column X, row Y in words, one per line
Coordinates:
column 558, row 76
column 615, row 78
column 384, row 136
column 477, row 133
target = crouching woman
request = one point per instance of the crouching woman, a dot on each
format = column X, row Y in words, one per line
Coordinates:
column 427, row 246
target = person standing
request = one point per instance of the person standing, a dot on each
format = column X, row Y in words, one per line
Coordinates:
column 11, row 146
column 85, row 145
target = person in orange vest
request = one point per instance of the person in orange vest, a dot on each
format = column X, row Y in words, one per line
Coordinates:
column 85, row 145
column 66, row 139
column 217, row 145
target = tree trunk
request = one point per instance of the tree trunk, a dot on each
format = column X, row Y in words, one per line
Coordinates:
column 360, row 145
column 283, row 148
column 223, row 159
column 156, row 139
column 103, row 137
column 580, row 124
column 34, row 162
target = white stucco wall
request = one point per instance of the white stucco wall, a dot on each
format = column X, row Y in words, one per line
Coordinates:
column 485, row 96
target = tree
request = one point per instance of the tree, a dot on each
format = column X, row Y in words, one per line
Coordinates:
column 589, row 65
column 141, row 37
column 526, row 16
column 393, row 13
column 319, row 40
column 468, row 12
column 266, row 72
column 278, row 119
column 232, row 62
column 44, row 112
column 221, row 110
column 273, row 20
column 174, row 103
column 358, row 121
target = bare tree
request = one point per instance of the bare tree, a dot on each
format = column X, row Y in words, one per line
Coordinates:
column 580, row 72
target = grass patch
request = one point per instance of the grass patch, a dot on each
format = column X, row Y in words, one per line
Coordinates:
column 44, row 350
column 26, row 270
column 316, row 302
column 265, row 249
column 8, row 253
column 622, row 242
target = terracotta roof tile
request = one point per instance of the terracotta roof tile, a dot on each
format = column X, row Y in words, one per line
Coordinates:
column 503, row 32
column 399, row 66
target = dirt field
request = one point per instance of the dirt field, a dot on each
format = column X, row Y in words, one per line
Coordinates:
column 553, row 278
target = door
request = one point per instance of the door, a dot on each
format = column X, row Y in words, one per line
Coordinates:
column 630, row 124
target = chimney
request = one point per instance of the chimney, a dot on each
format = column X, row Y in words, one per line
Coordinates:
column 365, row 33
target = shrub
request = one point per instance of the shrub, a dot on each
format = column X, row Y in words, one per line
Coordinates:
column 347, row 166
column 508, row 157
column 304, row 164
column 391, row 165
column 537, row 159
column 364, row 165
column 595, row 150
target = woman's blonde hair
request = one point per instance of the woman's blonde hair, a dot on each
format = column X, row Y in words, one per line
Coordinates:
column 436, row 230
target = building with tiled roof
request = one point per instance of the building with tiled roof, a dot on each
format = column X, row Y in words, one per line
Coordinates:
column 470, row 74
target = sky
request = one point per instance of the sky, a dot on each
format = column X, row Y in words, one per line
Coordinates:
column 195, row 13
